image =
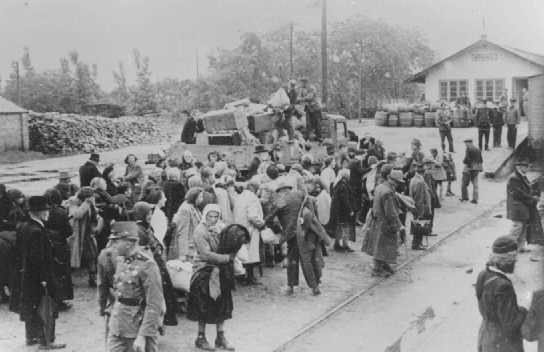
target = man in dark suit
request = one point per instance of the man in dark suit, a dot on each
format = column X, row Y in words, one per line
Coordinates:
column 188, row 134
column 89, row 170
column 519, row 203
column 37, row 274
column 473, row 166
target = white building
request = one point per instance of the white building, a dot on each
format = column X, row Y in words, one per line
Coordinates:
column 481, row 70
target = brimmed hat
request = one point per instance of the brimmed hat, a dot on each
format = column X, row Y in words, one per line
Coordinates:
column 283, row 185
column 127, row 230
column 38, row 203
column 505, row 244
column 261, row 149
column 95, row 157
column 64, row 175
column 396, row 175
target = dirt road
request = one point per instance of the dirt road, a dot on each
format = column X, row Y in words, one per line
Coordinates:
column 429, row 306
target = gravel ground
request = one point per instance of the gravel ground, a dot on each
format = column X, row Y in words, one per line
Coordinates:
column 263, row 317
column 428, row 306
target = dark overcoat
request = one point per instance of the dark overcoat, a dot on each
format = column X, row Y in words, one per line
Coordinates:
column 36, row 258
column 386, row 226
column 518, row 199
column 533, row 326
column 87, row 172
column 175, row 194
column 342, row 203
column 500, row 330
column 58, row 230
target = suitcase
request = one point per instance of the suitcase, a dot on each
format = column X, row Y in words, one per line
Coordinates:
column 219, row 120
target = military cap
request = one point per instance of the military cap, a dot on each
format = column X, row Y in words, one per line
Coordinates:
column 522, row 163
column 468, row 140
column 95, row 157
column 505, row 244
column 428, row 160
column 38, row 203
column 124, row 230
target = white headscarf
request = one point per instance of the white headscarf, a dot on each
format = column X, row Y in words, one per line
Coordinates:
column 343, row 173
column 208, row 208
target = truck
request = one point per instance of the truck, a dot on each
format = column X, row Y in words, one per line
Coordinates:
column 235, row 135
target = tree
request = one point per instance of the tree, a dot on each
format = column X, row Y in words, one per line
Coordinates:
column 120, row 94
column 143, row 94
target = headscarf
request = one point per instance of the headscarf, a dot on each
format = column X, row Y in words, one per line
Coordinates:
column 343, row 173
column 208, row 208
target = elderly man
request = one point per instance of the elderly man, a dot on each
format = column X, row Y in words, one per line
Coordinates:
column 502, row 318
column 387, row 225
column 519, row 204
column 473, row 166
column 37, row 276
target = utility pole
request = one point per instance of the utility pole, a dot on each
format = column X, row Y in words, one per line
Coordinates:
column 324, row 72
column 196, row 60
column 360, row 107
column 291, row 70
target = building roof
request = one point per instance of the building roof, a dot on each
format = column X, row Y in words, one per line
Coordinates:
column 533, row 58
column 7, row 107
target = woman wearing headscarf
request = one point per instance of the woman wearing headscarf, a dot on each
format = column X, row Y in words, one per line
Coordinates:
column 134, row 175
column 210, row 297
column 142, row 213
column 342, row 212
column 58, row 230
column 185, row 221
column 83, row 218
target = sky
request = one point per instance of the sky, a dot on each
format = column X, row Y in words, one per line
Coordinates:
column 171, row 32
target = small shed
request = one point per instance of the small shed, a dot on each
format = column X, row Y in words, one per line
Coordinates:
column 13, row 127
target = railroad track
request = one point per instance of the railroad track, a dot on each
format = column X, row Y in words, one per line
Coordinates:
column 338, row 308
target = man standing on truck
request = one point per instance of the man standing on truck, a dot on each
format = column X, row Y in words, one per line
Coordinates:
column 308, row 97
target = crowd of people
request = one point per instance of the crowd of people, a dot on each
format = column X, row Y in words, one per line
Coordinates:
column 128, row 228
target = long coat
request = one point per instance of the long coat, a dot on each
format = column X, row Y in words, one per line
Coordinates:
column 342, row 203
column 421, row 194
column 248, row 212
column 174, row 193
column 36, row 260
column 87, row 172
column 82, row 243
column 518, row 199
column 58, row 231
column 386, row 226
column 502, row 317
column 185, row 220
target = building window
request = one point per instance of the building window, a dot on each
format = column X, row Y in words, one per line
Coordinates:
column 451, row 90
column 489, row 88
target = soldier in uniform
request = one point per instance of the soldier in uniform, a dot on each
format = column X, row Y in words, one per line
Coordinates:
column 139, row 306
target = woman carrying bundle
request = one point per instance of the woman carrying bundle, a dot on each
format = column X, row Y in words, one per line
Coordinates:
column 210, row 298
